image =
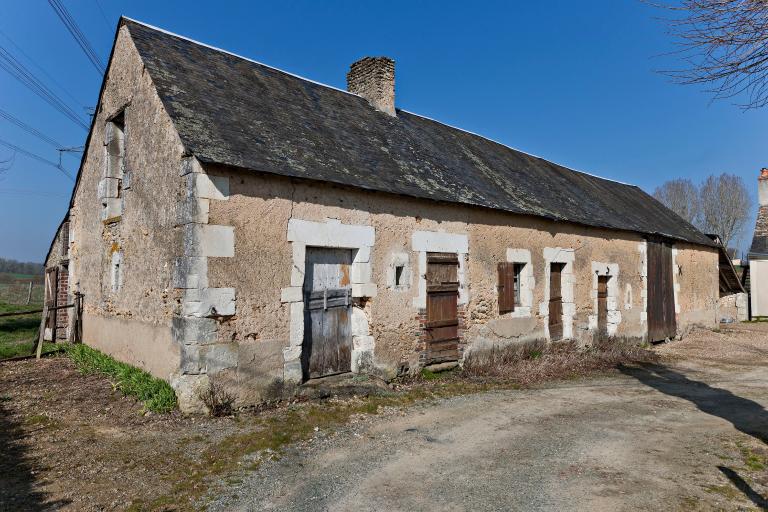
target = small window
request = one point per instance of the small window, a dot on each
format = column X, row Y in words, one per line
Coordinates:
column 509, row 286
column 116, row 276
column 399, row 275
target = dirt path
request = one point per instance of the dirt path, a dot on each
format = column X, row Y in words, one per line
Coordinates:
column 686, row 434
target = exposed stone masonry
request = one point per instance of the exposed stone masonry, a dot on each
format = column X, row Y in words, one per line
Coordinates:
column 373, row 78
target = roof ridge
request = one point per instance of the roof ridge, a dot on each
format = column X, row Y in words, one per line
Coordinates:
column 173, row 34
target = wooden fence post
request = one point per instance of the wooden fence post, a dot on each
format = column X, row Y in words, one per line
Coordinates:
column 29, row 293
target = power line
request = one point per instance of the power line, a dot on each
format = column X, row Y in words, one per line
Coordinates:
column 36, row 157
column 16, row 69
column 29, row 129
column 42, row 70
column 104, row 16
column 78, row 34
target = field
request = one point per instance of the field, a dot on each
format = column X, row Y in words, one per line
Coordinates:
column 14, row 288
column 17, row 333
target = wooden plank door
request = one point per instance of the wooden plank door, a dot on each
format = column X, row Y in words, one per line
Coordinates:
column 327, row 348
column 661, row 295
column 602, row 305
column 555, row 301
column 442, row 327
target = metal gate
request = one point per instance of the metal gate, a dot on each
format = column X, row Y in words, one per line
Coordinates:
column 442, row 326
column 327, row 348
column 661, row 295
column 555, row 301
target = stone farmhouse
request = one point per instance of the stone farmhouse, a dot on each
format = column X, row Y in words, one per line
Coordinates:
column 235, row 222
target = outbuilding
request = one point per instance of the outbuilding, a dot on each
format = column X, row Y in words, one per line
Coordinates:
column 233, row 221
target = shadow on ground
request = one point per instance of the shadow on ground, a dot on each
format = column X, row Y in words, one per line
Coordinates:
column 745, row 415
column 17, row 469
column 744, row 487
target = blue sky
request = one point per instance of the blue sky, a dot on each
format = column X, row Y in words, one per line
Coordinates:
column 573, row 82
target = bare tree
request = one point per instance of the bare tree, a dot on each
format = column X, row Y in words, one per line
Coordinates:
column 724, row 44
column 682, row 197
column 725, row 207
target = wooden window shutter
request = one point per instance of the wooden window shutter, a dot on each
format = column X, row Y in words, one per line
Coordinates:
column 506, row 287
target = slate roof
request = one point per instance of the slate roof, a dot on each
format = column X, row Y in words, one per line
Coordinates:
column 232, row 111
column 759, row 245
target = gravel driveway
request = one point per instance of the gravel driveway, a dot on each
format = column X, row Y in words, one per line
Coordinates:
column 684, row 434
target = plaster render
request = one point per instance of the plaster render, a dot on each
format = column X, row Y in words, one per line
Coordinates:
column 132, row 322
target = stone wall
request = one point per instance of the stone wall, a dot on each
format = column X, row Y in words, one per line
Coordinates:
column 265, row 268
column 123, row 264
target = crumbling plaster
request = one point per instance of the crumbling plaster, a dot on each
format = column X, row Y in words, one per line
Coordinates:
column 132, row 323
column 261, row 207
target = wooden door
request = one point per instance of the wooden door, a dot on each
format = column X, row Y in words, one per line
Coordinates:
column 51, row 293
column 442, row 327
column 661, row 295
column 327, row 348
column 602, row 305
column 555, row 301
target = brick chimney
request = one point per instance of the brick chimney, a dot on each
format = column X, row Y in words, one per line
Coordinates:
column 373, row 78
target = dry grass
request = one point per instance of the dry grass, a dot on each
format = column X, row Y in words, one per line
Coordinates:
column 533, row 363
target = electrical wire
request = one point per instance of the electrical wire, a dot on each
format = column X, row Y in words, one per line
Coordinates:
column 71, row 25
column 21, row 124
column 42, row 70
column 16, row 69
column 36, row 157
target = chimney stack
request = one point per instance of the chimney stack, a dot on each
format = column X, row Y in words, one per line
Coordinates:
column 762, row 187
column 373, row 78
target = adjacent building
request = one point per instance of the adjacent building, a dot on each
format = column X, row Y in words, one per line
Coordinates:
column 758, row 253
column 235, row 222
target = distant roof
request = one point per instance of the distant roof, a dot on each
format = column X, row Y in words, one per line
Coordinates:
column 759, row 245
column 233, row 111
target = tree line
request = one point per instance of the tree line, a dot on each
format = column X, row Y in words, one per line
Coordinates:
column 20, row 267
column 720, row 204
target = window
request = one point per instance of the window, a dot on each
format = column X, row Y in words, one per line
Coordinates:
column 509, row 287
column 116, row 276
column 399, row 275
column 518, row 270
column 111, row 184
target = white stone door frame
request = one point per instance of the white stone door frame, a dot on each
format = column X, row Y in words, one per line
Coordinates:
column 335, row 235
column 423, row 242
column 565, row 256
column 612, row 301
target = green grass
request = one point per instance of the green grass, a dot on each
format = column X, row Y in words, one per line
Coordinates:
column 17, row 333
column 156, row 394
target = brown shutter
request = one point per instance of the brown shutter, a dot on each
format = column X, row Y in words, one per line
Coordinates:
column 506, row 287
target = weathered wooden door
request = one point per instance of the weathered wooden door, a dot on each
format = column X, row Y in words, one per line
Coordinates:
column 327, row 348
column 442, row 327
column 51, row 293
column 661, row 295
column 602, row 305
column 555, row 301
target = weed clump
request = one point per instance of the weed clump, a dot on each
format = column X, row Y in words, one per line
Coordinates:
column 539, row 361
column 217, row 399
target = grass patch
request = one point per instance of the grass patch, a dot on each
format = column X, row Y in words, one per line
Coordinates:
column 156, row 394
column 753, row 461
column 18, row 333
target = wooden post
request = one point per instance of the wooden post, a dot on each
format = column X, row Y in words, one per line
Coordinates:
column 41, row 334
column 29, row 293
